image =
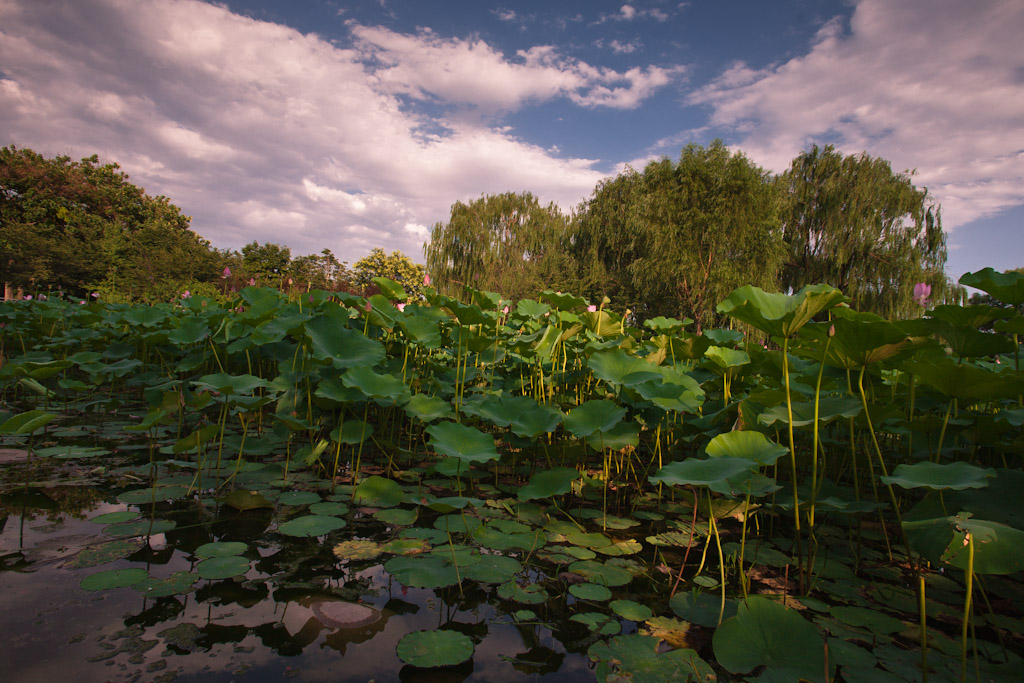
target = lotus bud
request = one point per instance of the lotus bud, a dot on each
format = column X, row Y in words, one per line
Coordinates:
column 226, row 274
column 400, row 307
column 426, row 280
column 922, row 291
column 252, row 282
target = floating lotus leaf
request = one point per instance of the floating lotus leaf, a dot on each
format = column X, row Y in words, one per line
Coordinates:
column 694, row 472
column 406, row 546
column 955, row 475
column 115, row 517
column 460, row 441
column 548, row 483
column 590, row 591
column 113, row 578
column 878, row 623
column 310, row 525
column 298, row 498
column 628, row 609
column 329, row 509
column 68, row 452
column 426, row 571
column 593, row 416
column 428, row 408
column 175, row 584
column 223, row 567
column 428, row 649
column 338, row 614
column 780, row 315
column 588, row 540
column 106, row 552
column 620, row 548
column 491, row 537
column 601, row 573
column 766, row 633
column 743, row 444
column 600, row 624
column 357, row 550
column 636, row 658
column 701, row 608
column 160, row 493
column 493, row 569
column 396, row 516
column 220, row 549
column 379, row 492
column 246, row 500
column 530, row 594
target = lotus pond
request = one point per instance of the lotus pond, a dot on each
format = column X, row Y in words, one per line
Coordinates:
column 338, row 488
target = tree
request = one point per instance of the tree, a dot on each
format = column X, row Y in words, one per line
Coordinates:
column 394, row 266
column 854, row 224
column 677, row 238
column 319, row 271
column 81, row 226
column 267, row 263
column 506, row 243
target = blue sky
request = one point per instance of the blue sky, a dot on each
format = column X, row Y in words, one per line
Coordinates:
column 352, row 125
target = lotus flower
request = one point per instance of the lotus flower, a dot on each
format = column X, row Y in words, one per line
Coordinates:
column 186, row 294
column 922, row 291
column 226, row 274
column 252, row 282
column 591, row 308
column 426, row 280
column 95, row 295
column 400, row 307
column 368, row 307
column 28, row 297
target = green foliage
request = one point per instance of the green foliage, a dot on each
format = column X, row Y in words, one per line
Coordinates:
column 394, row 266
column 853, row 223
column 507, row 243
column 676, row 238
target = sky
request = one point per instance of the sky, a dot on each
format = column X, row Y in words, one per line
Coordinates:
column 352, row 125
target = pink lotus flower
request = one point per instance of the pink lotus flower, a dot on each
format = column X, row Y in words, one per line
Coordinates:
column 368, row 307
column 82, row 302
column 592, row 308
column 186, row 294
column 922, row 291
column 505, row 310
column 95, row 295
column 400, row 307
column 426, row 280
column 252, row 282
column 226, row 274
column 28, row 297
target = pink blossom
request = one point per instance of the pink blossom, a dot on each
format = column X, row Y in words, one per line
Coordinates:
column 82, row 302
column 28, row 297
column 505, row 310
column 400, row 307
column 95, row 295
column 252, row 282
column 289, row 282
column 922, row 291
column 186, row 294
column 426, row 280
column 368, row 307
column 226, row 274
column 592, row 308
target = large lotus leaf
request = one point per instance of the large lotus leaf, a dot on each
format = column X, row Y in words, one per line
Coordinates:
column 422, row 571
column 422, row 330
column 829, row 409
column 956, row 475
column 463, row 442
column 113, row 578
column 220, row 549
column 670, row 396
column 231, row 384
column 780, row 315
column 310, row 525
column 666, row 325
column 537, row 421
column 963, row 381
column 694, row 472
column 374, row 385
column 190, row 330
column 743, row 444
column 334, row 390
column 592, row 416
column 967, row 342
column 390, row 288
column 969, row 316
column 246, row 500
column 637, row 658
column 862, row 339
column 871, row 619
column 357, row 549
column 222, row 567
column 177, row 583
column 499, row 410
column 723, row 359
column 998, row 548
column 553, row 482
column 528, row 308
column 26, row 423
column 618, row 367
column 563, row 302
column 493, row 569
column 428, row 408
column 344, row 347
column 622, row 435
column 352, row 432
column 427, row 649
column 602, row 573
column 590, row 591
column 1007, row 287
column 701, row 608
column 764, row 632
column 632, row 610
column 378, row 492
column 602, row 323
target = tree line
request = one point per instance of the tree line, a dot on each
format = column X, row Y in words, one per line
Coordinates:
column 675, row 238
column 82, row 229
column 672, row 239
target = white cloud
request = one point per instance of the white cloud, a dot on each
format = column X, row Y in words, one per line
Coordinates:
column 937, row 86
column 260, row 132
column 425, row 66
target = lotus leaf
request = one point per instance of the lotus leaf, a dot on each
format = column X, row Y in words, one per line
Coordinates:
column 780, row 315
column 428, row 408
column 701, row 608
column 1007, row 287
column 175, row 584
column 628, row 609
column 493, row 569
column 310, row 525
column 750, row 445
column 956, row 475
column 463, row 442
column 592, row 416
column 601, row 624
column 357, row 550
column 601, row 573
column 764, row 632
column 552, row 482
column 694, row 472
column 298, row 498
column 396, row 516
column 220, row 549
column 378, row 492
column 427, row 571
column 618, row 367
column 113, row 578
column 222, row 567
column 530, row 594
column 590, row 591
column 427, row 649
column 636, row 658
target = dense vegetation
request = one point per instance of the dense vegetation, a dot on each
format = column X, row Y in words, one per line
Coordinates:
column 842, row 502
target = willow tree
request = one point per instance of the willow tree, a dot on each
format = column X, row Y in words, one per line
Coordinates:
column 506, row 243
column 853, row 223
column 677, row 238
